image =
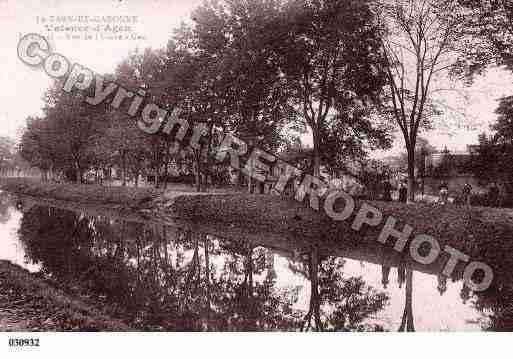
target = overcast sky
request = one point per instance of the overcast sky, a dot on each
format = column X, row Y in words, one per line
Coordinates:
column 22, row 87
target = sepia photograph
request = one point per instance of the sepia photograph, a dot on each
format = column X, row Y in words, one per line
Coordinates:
column 257, row 166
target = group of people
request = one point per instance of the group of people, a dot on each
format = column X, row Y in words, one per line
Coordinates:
column 492, row 198
column 466, row 193
column 387, row 192
column 443, row 193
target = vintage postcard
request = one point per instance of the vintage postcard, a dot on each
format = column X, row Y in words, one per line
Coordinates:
column 255, row 166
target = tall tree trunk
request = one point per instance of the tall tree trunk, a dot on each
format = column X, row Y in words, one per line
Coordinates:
column 119, row 254
column 238, row 179
column 316, row 164
column 316, row 154
column 156, row 159
column 208, row 170
column 250, row 183
column 136, row 180
column 156, row 178
column 123, row 168
column 78, row 174
column 411, row 174
column 197, row 173
column 166, row 165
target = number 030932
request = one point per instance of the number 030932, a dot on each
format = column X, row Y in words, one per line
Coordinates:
column 23, row 342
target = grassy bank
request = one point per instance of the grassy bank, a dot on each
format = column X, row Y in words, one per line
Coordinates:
column 443, row 221
column 485, row 234
column 93, row 194
column 29, row 303
column 222, row 207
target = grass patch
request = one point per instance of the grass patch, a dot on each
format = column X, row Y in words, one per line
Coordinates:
column 102, row 195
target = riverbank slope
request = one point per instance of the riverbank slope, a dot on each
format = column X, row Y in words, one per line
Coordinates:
column 29, row 303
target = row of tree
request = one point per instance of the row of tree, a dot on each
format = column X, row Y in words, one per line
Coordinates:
column 268, row 71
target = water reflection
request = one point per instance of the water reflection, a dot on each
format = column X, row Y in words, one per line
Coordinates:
column 182, row 277
column 167, row 277
column 336, row 302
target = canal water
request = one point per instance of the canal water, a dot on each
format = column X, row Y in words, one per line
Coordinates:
column 186, row 276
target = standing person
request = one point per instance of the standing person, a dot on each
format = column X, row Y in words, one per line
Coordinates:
column 444, row 192
column 467, row 190
column 403, row 193
column 387, row 191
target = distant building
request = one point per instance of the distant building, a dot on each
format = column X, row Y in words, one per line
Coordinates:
column 457, row 159
column 451, row 167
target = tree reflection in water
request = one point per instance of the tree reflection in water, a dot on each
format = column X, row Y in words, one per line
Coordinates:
column 336, row 302
column 163, row 277
column 496, row 303
column 407, row 320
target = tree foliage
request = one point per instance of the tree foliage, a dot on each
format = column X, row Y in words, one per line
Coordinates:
column 494, row 152
column 488, row 36
column 257, row 69
column 332, row 65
